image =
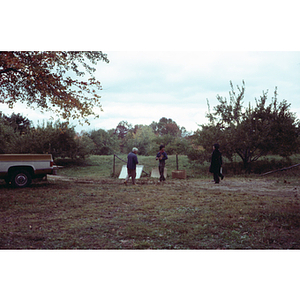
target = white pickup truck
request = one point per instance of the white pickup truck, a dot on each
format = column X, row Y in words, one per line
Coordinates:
column 19, row 169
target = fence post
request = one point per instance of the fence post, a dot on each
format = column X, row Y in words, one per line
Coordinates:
column 114, row 163
column 177, row 161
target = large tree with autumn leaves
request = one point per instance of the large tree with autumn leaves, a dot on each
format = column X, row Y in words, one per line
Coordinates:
column 61, row 82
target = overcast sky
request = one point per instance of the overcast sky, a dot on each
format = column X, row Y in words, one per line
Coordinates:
column 143, row 86
column 146, row 79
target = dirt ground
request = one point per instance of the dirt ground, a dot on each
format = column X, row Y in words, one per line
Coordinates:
column 253, row 186
column 257, row 186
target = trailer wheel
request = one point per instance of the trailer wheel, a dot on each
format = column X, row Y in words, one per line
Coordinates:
column 21, row 178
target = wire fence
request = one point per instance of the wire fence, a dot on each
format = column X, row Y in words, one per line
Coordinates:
column 117, row 167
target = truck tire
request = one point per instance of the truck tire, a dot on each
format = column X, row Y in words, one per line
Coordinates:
column 21, row 178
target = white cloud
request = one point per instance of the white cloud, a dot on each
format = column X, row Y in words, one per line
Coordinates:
column 141, row 87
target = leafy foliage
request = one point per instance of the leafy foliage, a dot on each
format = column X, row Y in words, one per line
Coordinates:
column 7, row 135
column 105, row 142
column 19, row 123
column 171, row 135
column 59, row 138
column 121, row 132
column 148, row 138
column 143, row 138
column 169, row 127
column 250, row 132
column 48, row 79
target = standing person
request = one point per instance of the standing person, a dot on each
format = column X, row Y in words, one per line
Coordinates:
column 132, row 161
column 216, row 163
column 162, row 157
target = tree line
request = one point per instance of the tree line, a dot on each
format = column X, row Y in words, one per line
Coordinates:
column 18, row 135
column 64, row 82
column 248, row 132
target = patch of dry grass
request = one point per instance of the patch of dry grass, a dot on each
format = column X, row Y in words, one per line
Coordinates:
column 186, row 214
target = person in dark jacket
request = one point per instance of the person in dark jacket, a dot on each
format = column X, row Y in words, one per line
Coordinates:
column 132, row 161
column 162, row 157
column 216, row 163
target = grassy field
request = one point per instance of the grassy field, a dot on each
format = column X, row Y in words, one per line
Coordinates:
column 86, row 208
column 102, row 166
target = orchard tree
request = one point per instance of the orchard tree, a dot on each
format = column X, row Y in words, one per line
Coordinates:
column 105, row 142
column 121, row 131
column 142, row 137
column 19, row 123
column 7, row 135
column 166, row 127
column 84, row 145
column 250, row 132
column 52, row 81
column 171, row 135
